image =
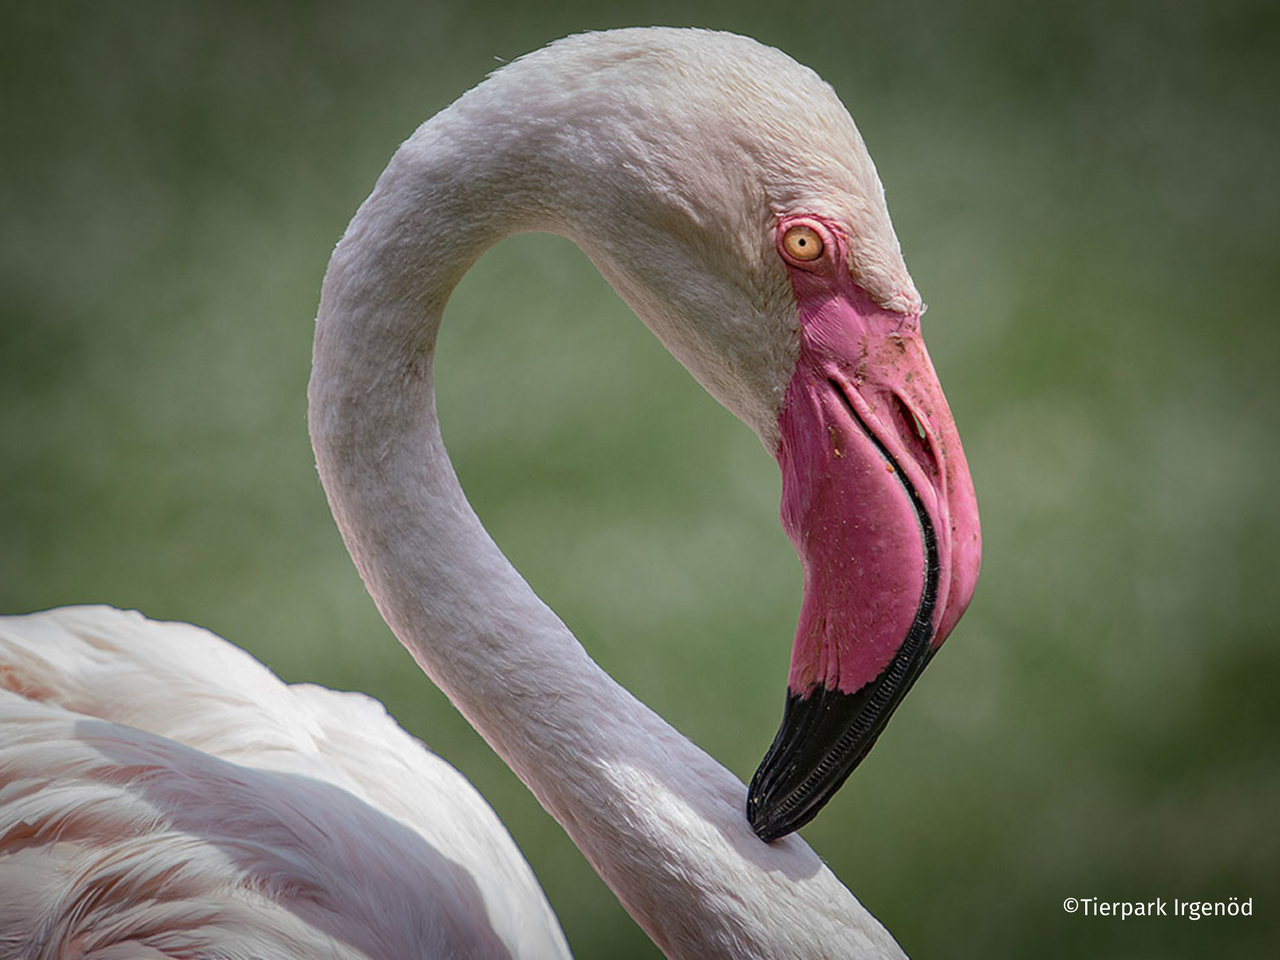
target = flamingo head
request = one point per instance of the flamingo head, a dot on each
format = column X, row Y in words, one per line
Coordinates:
column 878, row 502
column 726, row 194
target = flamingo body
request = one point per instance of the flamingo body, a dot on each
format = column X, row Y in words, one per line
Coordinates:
column 161, row 792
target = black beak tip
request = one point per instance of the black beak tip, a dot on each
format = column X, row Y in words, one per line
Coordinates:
column 793, row 780
column 765, row 820
column 823, row 737
column 760, row 824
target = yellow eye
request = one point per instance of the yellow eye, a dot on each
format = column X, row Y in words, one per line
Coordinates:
column 802, row 243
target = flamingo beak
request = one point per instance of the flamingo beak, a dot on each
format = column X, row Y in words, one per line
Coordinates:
column 878, row 502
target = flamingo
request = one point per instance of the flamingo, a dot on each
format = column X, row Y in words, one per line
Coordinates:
column 162, row 794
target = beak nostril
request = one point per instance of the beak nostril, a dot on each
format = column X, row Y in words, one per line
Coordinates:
column 915, row 437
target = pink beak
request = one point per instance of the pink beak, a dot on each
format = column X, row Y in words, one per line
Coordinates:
column 878, row 502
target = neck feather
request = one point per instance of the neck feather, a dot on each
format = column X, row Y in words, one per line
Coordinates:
column 661, row 821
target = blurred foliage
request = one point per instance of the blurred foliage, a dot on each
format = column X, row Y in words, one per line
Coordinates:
column 1086, row 194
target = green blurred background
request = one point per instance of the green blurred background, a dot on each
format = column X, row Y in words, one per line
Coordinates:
column 1087, row 196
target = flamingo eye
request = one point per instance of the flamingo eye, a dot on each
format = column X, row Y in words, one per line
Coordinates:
column 802, row 243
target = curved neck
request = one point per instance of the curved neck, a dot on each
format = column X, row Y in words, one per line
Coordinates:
column 660, row 820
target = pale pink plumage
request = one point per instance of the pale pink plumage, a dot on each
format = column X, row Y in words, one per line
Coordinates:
column 160, row 790
column 163, row 795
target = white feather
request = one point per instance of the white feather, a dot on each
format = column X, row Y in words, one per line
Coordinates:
column 161, row 790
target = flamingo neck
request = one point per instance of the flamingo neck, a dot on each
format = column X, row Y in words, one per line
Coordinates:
column 660, row 820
